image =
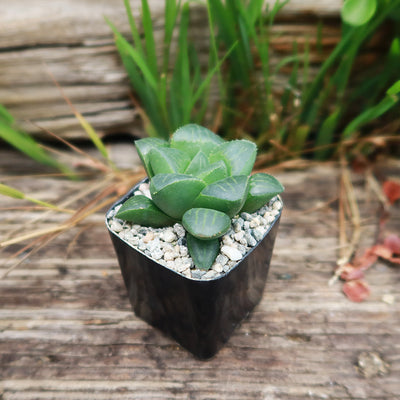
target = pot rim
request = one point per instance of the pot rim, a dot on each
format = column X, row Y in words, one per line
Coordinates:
column 130, row 194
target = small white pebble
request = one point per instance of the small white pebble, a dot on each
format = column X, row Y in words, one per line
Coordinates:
column 238, row 236
column 169, row 256
column 179, row 230
column 227, row 240
column 127, row 235
column 217, row 267
column 169, row 236
column 148, row 237
column 277, row 205
column 187, row 273
column 255, row 222
column 231, row 252
column 258, row 233
column 116, row 226
column 134, row 241
column 183, row 251
column 210, row 274
column 221, row 259
column 180, row 266
column 269, row 218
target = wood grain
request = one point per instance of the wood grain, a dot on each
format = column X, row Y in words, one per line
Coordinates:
column 67, row 330
column 70, row 40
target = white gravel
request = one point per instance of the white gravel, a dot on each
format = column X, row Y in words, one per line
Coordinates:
column 167, row 246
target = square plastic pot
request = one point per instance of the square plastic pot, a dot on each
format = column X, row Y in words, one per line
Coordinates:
column 199, row 314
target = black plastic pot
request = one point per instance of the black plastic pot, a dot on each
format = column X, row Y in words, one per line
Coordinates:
column 199, row 314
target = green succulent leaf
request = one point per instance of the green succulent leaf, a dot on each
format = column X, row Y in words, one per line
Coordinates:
column 192, row 137
column 227, row 195
column 198, row 163
column 175, row 193
column 205, row 224
column 167, row 160
column 203, row 252
column 238, row 155
column 144, row 146
column 142, row 211
column 262, row 188
column 213, row 173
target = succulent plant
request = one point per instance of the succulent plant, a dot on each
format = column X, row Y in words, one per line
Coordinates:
column 202, row 181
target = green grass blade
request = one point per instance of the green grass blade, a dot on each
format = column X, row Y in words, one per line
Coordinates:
column 293, row 80
column 300, row 136
column 214, row 58
column 27, row 145
column 351, row 37
column 210, row 74
column 278, row 5
column 136, row 57
column 325, row 135
column 134, row 30
column 254, row 11
column 8, row 191
column 5, row 116
column 94, row 137
column 374, row 112
column 171, row 14
column 149, row 39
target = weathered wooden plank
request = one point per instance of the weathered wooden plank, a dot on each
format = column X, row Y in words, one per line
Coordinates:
column 71, row 40
column 67, row 330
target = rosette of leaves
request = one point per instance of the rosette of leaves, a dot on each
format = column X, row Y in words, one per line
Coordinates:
column 202, row 181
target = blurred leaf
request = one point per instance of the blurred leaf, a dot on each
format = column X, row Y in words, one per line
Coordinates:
column 374, row 112
column 358, row 12
column 149, row 39
column 300, row 136
column 325, row 134
column 94, row 137
column 5, row 116
column 27, row 145
column 135, row 33
column 136, row 57
column 357, row 290
column 8, row 191
column 394, row 89
column 391, row 189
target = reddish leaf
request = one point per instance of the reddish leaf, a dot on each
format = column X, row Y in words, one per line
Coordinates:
column 356, row 291
column 391, row 190
column 395, row 260
column 366, row 260
column 392, row 242
column 382, row 251
column 349, row 272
